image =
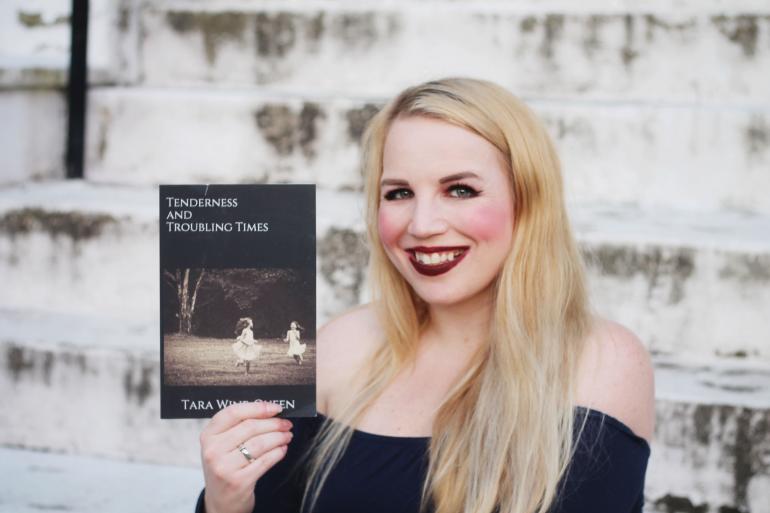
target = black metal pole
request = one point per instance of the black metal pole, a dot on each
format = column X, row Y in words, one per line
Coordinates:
column 77, row 85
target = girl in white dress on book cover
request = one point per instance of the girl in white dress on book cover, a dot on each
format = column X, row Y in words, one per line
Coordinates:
column 245, row 347
column 295, row 348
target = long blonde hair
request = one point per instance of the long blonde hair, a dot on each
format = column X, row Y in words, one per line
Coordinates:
column 503, row 436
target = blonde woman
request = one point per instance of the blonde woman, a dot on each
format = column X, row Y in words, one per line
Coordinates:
column 246, row 349
column 295, row 348
column 478, row 380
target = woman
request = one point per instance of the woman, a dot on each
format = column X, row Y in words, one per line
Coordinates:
column 478, row 380
column 245, row 347
column 295, row 348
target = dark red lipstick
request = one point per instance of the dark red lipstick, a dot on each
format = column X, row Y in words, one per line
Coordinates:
column 435, row 269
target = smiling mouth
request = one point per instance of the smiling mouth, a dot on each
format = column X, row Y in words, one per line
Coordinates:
column 435, row 261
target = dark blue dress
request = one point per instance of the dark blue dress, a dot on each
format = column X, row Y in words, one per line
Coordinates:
column 384, row 474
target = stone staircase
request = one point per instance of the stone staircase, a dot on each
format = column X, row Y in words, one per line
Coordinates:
column 660, row 110
column 45, row 482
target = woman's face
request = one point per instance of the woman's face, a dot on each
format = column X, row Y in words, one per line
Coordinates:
column 446, row 208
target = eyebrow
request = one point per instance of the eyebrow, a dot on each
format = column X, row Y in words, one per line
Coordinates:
column 449, row 178
column 458, row 176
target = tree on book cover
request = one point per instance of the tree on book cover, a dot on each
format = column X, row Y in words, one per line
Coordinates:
column 237, row 305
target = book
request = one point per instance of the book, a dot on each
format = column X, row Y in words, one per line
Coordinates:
column 237, row 298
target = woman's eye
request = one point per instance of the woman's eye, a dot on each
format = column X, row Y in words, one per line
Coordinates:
column 397, row 194
column 462, row 191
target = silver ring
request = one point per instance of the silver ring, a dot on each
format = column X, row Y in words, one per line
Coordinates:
column 246, row 453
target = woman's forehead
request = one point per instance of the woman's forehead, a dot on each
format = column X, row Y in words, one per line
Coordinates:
column 421, row 146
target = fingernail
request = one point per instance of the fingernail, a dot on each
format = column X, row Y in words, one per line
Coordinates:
column 275, row 407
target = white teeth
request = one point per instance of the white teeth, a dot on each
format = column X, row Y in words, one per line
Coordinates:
column 436, row 258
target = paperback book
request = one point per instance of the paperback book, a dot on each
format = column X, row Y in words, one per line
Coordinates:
column 237, row 298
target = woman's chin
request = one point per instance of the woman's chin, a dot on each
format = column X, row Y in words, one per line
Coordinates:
column 442, row 300
column 451, row 298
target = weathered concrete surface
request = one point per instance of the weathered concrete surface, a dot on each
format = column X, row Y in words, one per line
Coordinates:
column 710, row 459
column 537, row 49
column 34, row 63
column 712, row 382
column 629, row 153
column 81, row 248
column 45, row 481
column 69, row 252
column 89, row 386
column 32, row 135
column 654, row 104
column 140, row 136
column 92, row 382
column 656, row 272
column 35, row 43
column 672, row 277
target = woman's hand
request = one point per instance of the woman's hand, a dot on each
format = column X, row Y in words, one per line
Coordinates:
column 229, row 475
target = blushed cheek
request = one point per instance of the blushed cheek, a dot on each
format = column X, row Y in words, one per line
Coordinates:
column 388, row 225
column 489, row 222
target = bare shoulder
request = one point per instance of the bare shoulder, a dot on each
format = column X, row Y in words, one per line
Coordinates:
column 343, row 344
column 615, row 376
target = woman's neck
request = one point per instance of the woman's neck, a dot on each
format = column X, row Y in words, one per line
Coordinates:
column 460, row 326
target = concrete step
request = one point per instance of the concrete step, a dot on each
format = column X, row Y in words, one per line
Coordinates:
column 34, row 48
column 711, row 436
column 77, row 247
column 35, row 43
column 201, row 136
column 98, row 244
column 644, row 50
column 710, row 459
column 89, row 386
column 34, row 66
column 32, row 135
column 624, row 152
column 58, row 482
column 45, row 480
column 686, row 283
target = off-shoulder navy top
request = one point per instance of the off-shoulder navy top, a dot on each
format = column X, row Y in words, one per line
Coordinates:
column 384, row 474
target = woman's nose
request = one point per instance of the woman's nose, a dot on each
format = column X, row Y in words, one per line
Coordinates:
column 427, row 220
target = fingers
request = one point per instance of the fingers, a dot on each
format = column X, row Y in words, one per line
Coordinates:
column 250, row 428
column 224, row 471
column 257, row 468
column 235, row 413
column 229, row 475
column 257, row 447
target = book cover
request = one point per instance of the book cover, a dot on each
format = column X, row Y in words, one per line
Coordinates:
column 237, row 298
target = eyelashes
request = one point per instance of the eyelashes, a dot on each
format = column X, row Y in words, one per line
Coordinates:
column 457, row 190
column 463, row 190
column 397, row 194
